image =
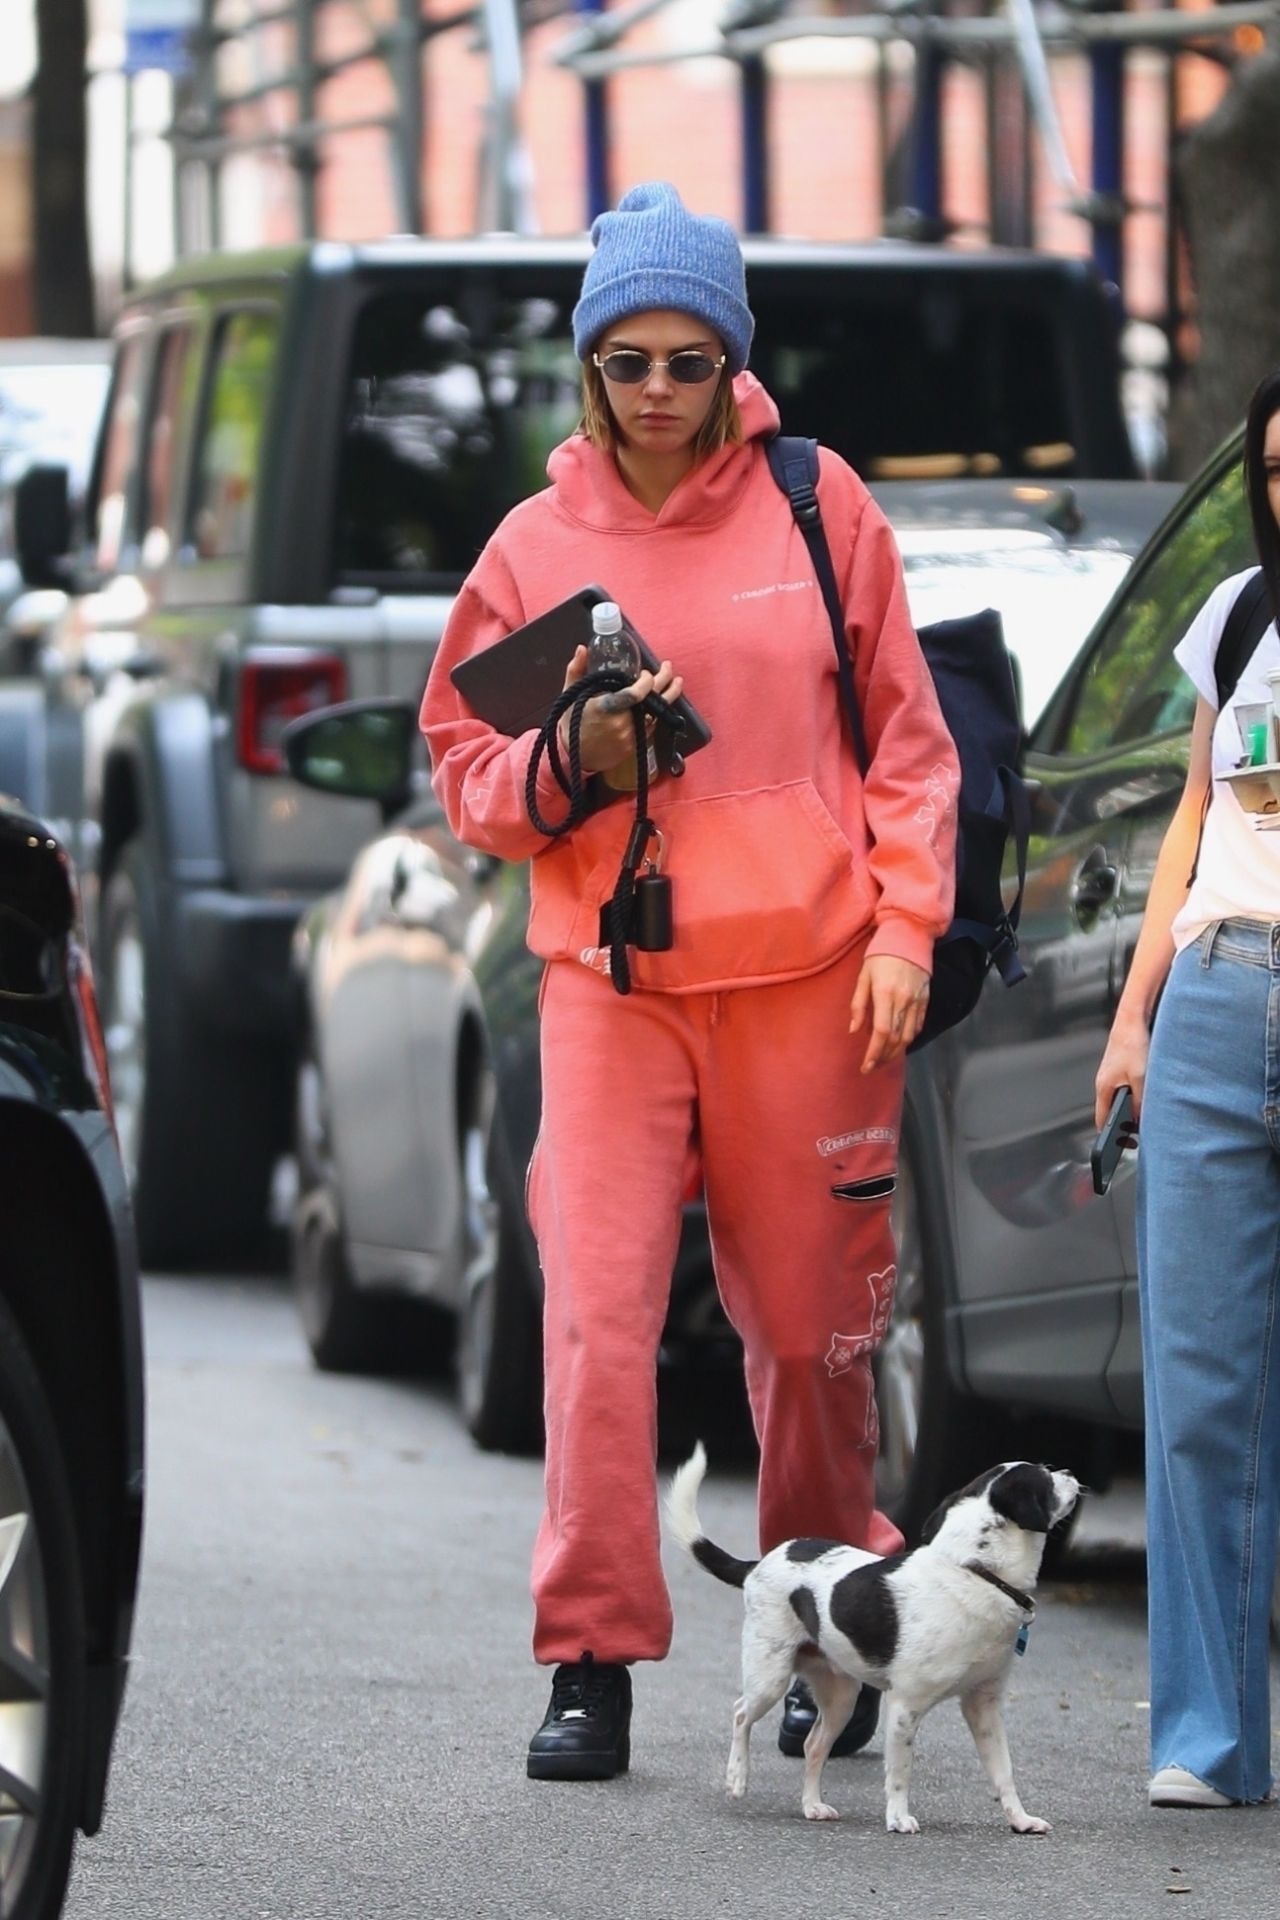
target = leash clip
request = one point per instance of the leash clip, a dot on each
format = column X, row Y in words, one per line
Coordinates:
column 642, row 832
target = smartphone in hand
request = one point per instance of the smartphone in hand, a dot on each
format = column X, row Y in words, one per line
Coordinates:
column 1119, row 1130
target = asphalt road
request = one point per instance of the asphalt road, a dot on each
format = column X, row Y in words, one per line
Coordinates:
column 332, row 1692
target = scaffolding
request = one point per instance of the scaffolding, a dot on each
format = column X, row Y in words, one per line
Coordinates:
column 1012, row 45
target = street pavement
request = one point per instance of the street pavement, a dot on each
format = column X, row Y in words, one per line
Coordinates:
column 331, row 1695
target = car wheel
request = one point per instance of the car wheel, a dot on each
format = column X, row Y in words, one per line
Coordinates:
column 499, row 1353
column 349, row 1328
column 42, row 1645
column 197, row 1113
column 932, row 1437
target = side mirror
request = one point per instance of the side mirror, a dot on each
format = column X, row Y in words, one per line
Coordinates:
column 363, row 749
column 42, row 524
column 28, row 622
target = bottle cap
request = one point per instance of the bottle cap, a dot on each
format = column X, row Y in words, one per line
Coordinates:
column 606, row 617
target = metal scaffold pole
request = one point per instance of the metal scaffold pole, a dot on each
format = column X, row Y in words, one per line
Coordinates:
column 406, row 67
column 1106, row 65
column 596, row 132
column 306, row 160
column 755, row 144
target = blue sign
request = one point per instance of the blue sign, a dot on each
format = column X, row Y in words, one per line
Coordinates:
column 157, row 35
column 165, row 48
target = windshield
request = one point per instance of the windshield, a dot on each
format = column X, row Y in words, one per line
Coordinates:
column 1048, row 598
column 52, row 410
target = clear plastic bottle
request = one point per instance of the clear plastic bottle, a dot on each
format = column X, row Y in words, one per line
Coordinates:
column 612, row 647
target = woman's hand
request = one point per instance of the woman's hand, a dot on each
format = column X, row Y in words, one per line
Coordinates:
column 896, row 994
column 608, row 732
column 1124, row 1064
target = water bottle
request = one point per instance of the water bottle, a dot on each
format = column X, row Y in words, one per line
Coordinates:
column 612, row 648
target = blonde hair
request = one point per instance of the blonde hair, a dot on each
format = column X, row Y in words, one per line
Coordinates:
column 721, row 428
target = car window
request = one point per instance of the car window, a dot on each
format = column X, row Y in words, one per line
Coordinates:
column 109, row 514
column 1133, row 687
column 927, row 386
column 226, row 481
column 450, row 416
column 175, row 370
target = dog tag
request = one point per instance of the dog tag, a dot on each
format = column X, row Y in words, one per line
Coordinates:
column 1024, row 1634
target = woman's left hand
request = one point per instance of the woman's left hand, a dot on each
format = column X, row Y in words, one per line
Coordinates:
column 896, row 995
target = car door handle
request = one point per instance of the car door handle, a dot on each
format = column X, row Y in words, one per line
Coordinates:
column 1093, row 886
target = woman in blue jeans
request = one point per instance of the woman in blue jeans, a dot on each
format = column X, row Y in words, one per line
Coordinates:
column 1206, row 1083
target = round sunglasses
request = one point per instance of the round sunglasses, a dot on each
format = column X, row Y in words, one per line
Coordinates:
column 628, row 366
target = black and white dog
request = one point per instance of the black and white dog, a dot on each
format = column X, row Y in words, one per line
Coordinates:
column 943, row 1619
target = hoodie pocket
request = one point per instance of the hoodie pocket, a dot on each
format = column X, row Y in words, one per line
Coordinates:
column 763, row 884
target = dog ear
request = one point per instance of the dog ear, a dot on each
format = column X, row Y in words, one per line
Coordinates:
column 973, row 1491
column 935, row 1520
column 1024, row 1496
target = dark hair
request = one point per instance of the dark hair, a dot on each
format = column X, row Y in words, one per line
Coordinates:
column 1266, row 534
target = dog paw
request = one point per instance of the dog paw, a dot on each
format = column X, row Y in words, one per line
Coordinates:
column 901, row 1823
column 735, row 1785
column 1028, row 1823
column 820, row 1811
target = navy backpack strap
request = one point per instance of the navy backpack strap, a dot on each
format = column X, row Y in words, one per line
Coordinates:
column 1250, row 616
column 1248, row 620
column 793, row 462
column 1009, row 801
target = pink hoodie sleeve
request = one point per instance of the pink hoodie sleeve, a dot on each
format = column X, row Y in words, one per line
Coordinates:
column 910, row 791
column 478, row 773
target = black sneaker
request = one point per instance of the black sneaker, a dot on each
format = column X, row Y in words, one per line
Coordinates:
column 800, row 1710
column 587, row 1732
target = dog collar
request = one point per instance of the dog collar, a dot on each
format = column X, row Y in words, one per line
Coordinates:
column 1022, row 1600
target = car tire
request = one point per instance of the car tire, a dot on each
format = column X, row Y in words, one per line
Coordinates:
column 933, row 1438
column 198, row 1113
column 499, row 1351
column 42, row 1688
column 348, row 1328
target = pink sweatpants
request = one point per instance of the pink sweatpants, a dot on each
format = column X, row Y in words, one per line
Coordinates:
column 763, row 1084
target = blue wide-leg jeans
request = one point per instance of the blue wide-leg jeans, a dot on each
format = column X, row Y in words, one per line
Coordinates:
column 1209, row 1265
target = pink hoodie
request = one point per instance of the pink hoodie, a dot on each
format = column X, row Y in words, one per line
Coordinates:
column 780, row 859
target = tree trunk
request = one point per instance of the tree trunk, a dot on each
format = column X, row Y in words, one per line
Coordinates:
column 1228, row 173
column 60, row 224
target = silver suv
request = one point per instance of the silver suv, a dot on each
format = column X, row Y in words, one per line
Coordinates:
column 302, row 455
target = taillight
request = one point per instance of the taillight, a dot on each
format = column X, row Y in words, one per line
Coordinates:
column 276, row 685
column 91, row 1027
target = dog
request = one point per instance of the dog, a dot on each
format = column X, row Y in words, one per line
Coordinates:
column 939, row 1620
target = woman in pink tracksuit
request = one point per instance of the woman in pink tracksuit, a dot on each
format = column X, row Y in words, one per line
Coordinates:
column 769, row 1040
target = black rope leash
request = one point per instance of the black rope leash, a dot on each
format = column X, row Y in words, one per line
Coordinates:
column 573, row 701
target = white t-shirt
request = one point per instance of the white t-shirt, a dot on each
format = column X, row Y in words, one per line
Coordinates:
column 1238, row 872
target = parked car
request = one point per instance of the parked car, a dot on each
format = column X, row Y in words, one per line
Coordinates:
column 71, row 1392
column 51, row 398
column 302, row 453
column 419, row 1091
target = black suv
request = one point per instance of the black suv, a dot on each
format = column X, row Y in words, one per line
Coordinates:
column 302, row 455
column 71, row 1405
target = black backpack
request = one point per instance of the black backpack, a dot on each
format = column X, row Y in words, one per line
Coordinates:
column 974, row 680
column 1248, row 620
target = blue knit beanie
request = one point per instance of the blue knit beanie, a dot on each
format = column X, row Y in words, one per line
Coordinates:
column 652, row 252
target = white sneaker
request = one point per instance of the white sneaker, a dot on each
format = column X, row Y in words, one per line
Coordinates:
column 1175, row 1787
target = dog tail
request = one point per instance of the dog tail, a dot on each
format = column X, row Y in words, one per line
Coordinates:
column 682, row 1518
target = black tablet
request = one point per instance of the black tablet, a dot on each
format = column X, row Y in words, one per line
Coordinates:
column 513, row 683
